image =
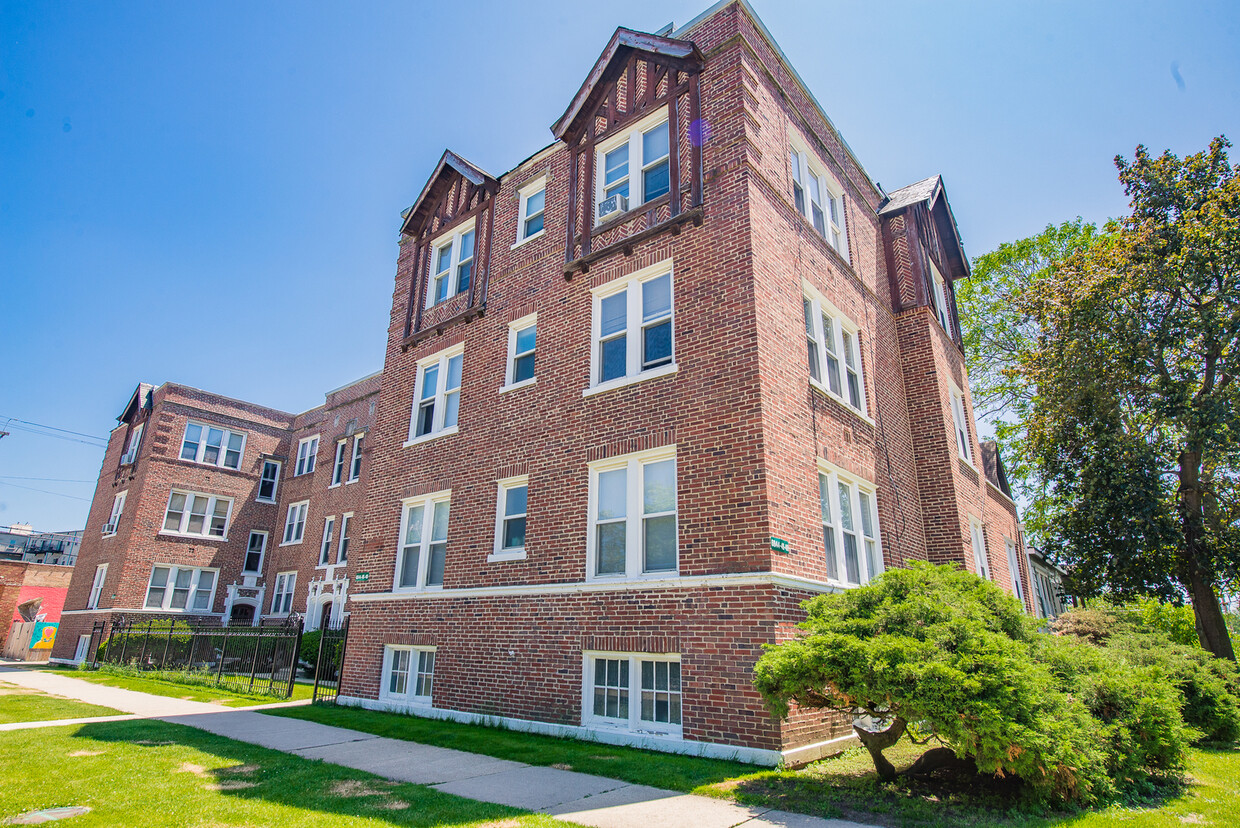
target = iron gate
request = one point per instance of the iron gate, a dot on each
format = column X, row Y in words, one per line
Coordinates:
column 329, row 667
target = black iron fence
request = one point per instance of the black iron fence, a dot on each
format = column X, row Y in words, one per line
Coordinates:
column 243, row 659
column 329, row 667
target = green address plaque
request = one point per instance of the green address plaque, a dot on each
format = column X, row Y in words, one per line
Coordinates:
column 361, row 577
column 781, row 545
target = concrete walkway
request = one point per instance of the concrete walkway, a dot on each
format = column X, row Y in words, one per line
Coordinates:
column 577, row 797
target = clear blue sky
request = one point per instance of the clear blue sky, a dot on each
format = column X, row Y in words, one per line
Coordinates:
column 210, row 193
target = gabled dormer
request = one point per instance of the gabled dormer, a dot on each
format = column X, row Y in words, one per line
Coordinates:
column 133, row 420
column 450, row 225
column 635, row 140
column 924, row 253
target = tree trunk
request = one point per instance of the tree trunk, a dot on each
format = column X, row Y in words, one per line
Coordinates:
column 878, row 741
column 1207, row 612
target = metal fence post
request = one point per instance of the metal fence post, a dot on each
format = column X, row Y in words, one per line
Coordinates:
column 293, row 660
column 219, row 673
column 146, row 639
column 163, row 662
column 258, row 645
column 124, row 641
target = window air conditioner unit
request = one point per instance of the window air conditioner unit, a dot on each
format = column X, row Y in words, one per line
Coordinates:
column 613, row 206
column 109, row 528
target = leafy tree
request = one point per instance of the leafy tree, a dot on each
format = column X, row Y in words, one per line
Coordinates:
column 1135, row 424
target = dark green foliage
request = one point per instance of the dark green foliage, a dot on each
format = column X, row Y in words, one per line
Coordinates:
column 309, row 652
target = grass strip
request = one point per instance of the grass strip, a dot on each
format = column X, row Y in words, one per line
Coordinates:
column 21, row 704
column 186, row 686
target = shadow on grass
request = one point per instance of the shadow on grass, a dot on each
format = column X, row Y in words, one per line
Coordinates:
column 163, row 763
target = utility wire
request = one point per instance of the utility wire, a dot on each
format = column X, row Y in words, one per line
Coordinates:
column 46, row 479
column 53, row 428
column 44, row 491
column 91, row 441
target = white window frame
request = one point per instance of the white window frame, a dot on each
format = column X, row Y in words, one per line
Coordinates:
column 338, row 462
column 634, row 464
column 516, row 553
column 96, row 586
column 307, row 455
column 962, row 436
column 275, row 483
column 342, row 548
column 941, row 309
column 868, row 539
column 514, row 328
column 262, row 552
column 531, row 189
column 428, row 503
column 813, row 176
column 283, row 589
column 634, row 723
column 841, row 346
column 977, row 545
column 634, row 327
column 636, row 162
column 1018, row 581
column 413, row 673
column 295, row 520
column 201, row 450
column 135, row 440
column 325, row 545
column 453, row 237
column 186, row 514
column 440, row 360
column 193, row 588
column 114, row 519
column 355, row 464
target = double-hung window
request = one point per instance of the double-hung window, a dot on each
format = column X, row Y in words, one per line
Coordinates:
column 635, row 165
column 295, row 522
column 181, row 588
column 307, row 453
column 510, row 513
column 135, row 439
column 338, row 464
column 342, row 554
column 977, row 538
column 633, row 516
column 423, row 546
column 355, row 467
column 834, row 345
column 1018, row 583
column 269, row 480
column 96, row 587
column 960, row 425
column 819, row 198
column 633, row 691
column 632, row 329
column 254, row 552
column 522, row 335
column 213, row 446
column 531, row 210
column 849, row 527
column 197, row 515
column 452, row 264
column 941, row 311
column 325, row 548
column 114, row 519
column 437, row 394
column 408, row 674
column 282, row 597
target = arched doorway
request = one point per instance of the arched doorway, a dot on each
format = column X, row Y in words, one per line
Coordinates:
column 242, row 614
column 325, row 615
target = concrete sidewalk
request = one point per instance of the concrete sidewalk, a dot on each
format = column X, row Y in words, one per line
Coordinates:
column 577, row 797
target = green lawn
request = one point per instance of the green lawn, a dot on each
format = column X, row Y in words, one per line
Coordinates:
column 841, row 787
column 153, row 774
column 21, row 704
column 169, row 687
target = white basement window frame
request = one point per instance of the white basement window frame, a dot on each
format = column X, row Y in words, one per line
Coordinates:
column 632, row 332
column 437, row 395
column 636, row 692
column 834, row 346
column 295, row 522
column 634, row 163
column 197, row 515
column 212, row 446
column 632, row 505
column 307, row 455
column 522, row 343
column 531, row 210
column 190, row 589
column 511, row 512
column 421, row 549
column 408, row 674
column 851, row 540
column 818, row 197
column 451, row 263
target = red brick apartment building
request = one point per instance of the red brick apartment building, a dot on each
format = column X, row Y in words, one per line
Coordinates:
column 644, row 394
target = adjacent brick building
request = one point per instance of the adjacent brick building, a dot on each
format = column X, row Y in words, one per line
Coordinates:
column 644, row 394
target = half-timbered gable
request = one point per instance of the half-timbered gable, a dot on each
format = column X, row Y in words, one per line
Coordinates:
column 451, row 224
column 634, row 134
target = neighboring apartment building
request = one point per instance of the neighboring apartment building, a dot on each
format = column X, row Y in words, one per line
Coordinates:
column 57, row 548
column 650, row 390
column 189, row 518
column 674, row 374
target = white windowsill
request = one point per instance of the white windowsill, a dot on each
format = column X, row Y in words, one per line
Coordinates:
column 415, row 589
column 508, row 555
column 504, row 389
column 824, row 389
column 292, row 543
column 334, row 486
column 425, row 438
column 621, row 382
column 623, row 727
column 537, row 235
column 212, row 538
column 633, row 579
column 264, row 500
column 354, row 480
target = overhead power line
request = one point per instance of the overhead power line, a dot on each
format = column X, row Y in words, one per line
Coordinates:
column 44, row 491
column 53, row 431
column 47, row 479
column 53, row 428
